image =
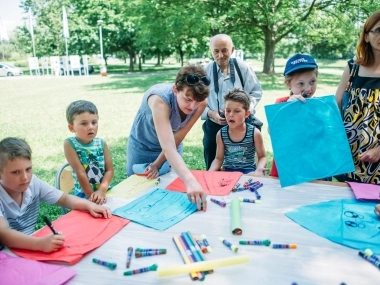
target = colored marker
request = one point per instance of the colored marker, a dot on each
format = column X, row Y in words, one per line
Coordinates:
column 255, row 242
column 201, row 245
column 201, row 275
column 158, row 181
column 110, row 265
column 369, row 252
column 151, row 249
column 149, row 253
column 257, row 194
column 205, row 242
column 220, row 203
column 370, row 259
column 129, row 257
column 49, row 224
column 291, row 246
column 245, row 200
column 141, row 270
column 185, row 257
column 236, row 186
column 228, row 244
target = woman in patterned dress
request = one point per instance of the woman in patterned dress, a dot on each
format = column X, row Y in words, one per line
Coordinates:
column 362, row 115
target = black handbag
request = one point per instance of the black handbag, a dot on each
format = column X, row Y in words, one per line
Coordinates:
column 347, row 92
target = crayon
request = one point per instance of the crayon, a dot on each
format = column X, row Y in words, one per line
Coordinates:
column 220, row 203
column 228, row 244
column 129, row 256
column 291, row 246
column 255, row 242
column 110, row 265
column 205, row 242
column 141, row 270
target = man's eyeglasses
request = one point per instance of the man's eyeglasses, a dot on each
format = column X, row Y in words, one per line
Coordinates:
column 376, row 31
column 192, row 79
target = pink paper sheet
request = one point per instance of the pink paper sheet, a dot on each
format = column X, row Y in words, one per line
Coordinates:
column 20, row 271
column 365, row 191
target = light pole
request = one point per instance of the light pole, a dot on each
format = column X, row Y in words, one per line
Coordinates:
column 102, row 67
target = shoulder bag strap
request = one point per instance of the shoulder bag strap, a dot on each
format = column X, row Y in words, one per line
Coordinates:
column 238, row 71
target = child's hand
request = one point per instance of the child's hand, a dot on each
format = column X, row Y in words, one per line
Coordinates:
column 98, row 211
column 260, row 172
column 151, row 171
column 297, row 97
column 377, row 210
column 51, row 242
column 98, row 197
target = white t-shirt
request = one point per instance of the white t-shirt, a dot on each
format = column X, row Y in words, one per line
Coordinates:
column 24, row 218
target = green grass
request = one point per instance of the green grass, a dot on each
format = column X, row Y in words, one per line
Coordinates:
column 33, row 108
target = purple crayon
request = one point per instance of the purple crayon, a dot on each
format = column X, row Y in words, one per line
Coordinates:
column 220, row 203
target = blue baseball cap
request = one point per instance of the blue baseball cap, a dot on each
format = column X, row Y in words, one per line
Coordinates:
column 299, row 61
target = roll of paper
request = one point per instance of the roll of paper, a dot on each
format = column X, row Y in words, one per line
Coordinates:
column 236, row 226
column 202, row 266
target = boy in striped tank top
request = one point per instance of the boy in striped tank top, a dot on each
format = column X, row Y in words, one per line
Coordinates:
column 238, row 142
column 87, row 154
column 20, row 195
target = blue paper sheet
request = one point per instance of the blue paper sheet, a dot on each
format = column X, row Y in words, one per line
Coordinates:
column 159, row 209
column 347, row 221
column 309, row 141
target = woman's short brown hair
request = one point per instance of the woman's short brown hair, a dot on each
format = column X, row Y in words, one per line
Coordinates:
column 199, row 90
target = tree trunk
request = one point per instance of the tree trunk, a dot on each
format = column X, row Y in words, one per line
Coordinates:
column 131, row 58
column 140, row 66
column 270, row 45
column 181, row 55
column 158, row 57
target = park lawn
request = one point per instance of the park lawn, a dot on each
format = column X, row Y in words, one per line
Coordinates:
column 33, row 108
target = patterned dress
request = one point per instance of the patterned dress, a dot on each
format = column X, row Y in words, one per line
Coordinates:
column 361, row 121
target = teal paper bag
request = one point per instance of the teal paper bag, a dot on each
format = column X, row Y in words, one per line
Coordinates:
column 308, row 139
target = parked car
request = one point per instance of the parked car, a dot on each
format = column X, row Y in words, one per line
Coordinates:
column 75, row 70
column 7, row 69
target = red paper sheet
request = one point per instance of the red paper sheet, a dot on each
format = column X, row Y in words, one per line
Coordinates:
column 217, row 183
column 82, row 232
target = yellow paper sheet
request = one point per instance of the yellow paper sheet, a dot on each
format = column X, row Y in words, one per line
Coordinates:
column 130, row 186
